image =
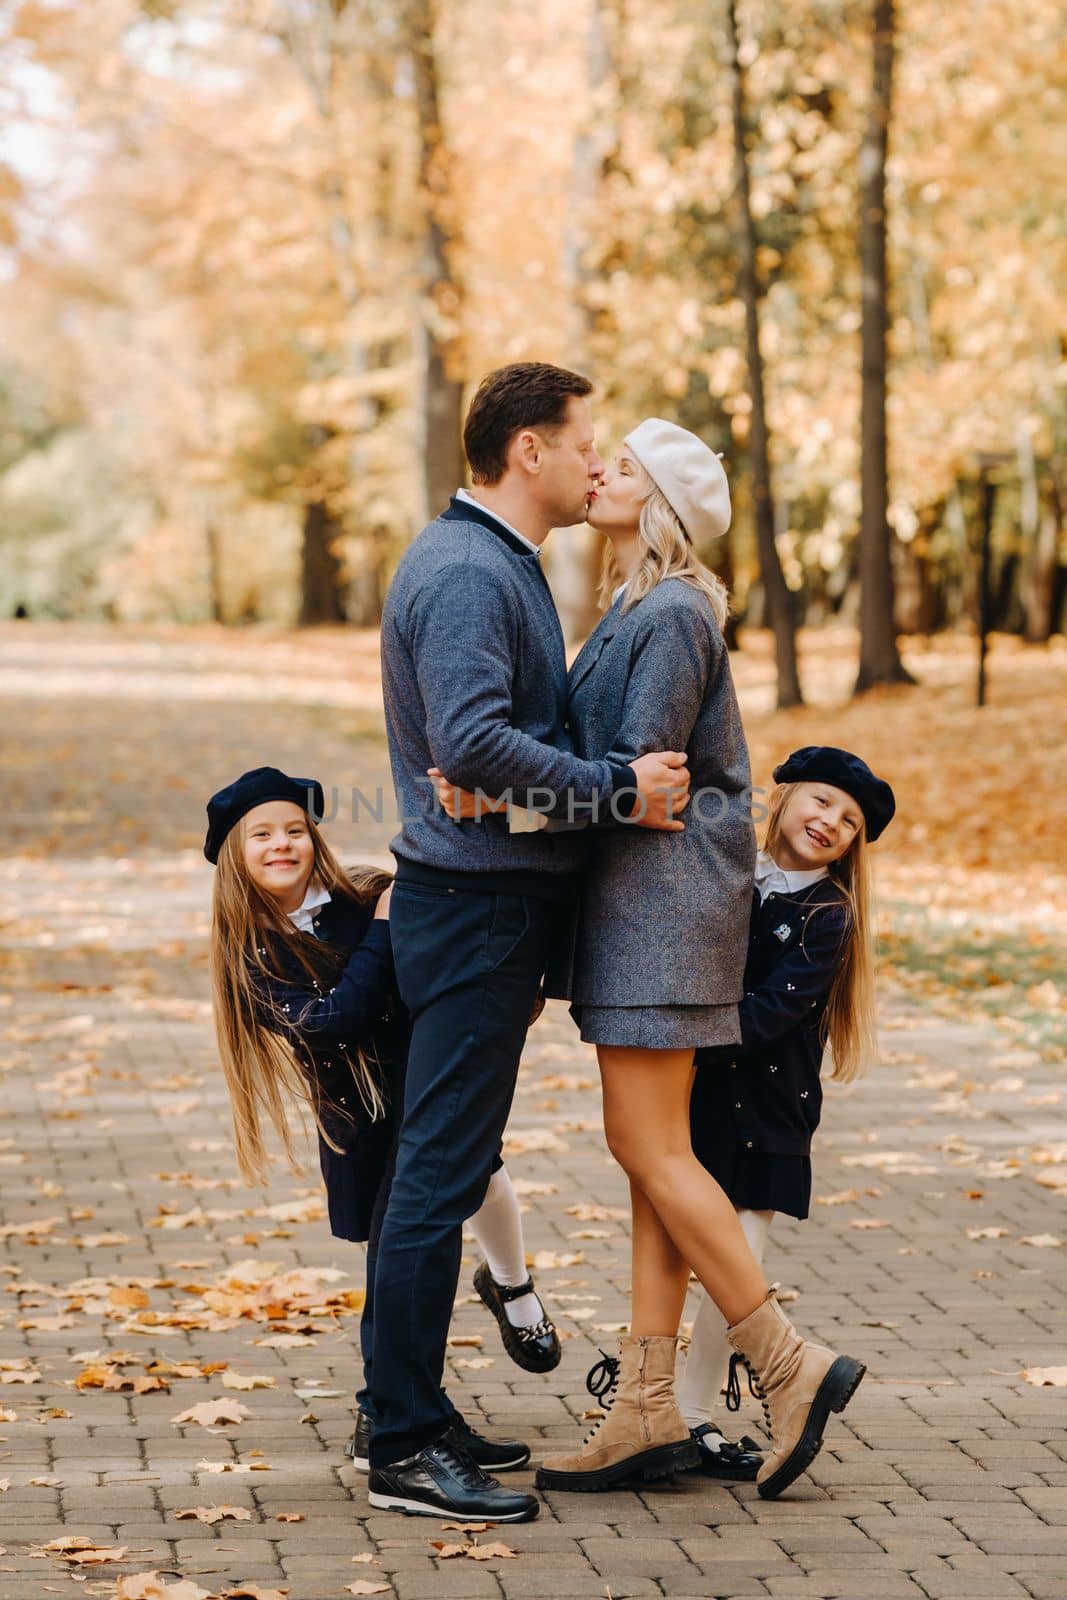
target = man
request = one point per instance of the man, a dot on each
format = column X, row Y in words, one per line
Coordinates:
column 475, row 684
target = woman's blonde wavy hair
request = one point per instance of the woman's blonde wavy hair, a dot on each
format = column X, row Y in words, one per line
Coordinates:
column 849, row 1019
column 666, row 552
column 250, row 934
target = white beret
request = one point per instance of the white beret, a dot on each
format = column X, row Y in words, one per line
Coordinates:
column 687, row 473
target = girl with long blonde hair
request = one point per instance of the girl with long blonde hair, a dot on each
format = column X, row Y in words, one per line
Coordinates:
column 809, row 983
column 307, row 1015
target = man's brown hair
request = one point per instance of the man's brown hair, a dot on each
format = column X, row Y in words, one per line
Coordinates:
column 527, row 394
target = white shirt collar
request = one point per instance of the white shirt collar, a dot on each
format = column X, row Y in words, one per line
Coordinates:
column 468, row 499
column 773, row 879
column 304, row 915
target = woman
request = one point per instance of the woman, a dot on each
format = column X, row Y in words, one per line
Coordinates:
column 657, row 964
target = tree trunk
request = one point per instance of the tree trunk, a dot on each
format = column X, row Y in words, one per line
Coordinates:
column 1041, row 532
column 879, row 657
column 317, row 42
column 213, row 543
column 779, row 600
column 576, row 562
column 439, row 334
column 320, row 570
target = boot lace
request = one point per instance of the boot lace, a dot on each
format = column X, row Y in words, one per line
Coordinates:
column 755, row 1388
column 602, row 1380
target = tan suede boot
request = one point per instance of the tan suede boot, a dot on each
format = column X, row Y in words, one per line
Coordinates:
column 643, row 1435
column 799, row 1384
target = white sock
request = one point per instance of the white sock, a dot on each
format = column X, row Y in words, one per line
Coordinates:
column 709, row 1349
column 497, row 1226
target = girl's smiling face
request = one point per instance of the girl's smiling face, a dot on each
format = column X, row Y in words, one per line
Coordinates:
column 816, row 828
column 278, row 851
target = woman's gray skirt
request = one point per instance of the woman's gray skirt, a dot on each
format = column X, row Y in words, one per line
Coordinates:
column 658, row 1027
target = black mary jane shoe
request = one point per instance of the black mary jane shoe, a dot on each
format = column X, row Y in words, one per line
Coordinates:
column 736, row 1462
column 442, row 1481
column 535, row 1349
column 491, row 1455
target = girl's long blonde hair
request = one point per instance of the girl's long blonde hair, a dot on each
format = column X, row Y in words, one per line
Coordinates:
column 849, row 1019
column 666, row 552
column 249, row 934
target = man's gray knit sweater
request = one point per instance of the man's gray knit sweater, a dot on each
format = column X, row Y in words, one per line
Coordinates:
column 474, row 677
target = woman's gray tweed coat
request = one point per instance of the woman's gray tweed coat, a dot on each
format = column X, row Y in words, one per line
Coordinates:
column 663, row 918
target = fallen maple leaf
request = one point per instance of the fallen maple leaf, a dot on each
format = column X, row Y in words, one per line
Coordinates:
column 18, row 1371
column 448, row 1552
column 289, row 1516
column 466, row 1341
column 1042, row 1241
column 246, row 1380
column 131, row 1299
column 7, row 1416
column 83, row 1552
column 150, row 1385
column 252, row 1591
column 213, row 1411
column 549, row 1260
column 366, row 1586
column 491, row 1552
column 150, row 1586
column 458, row 1527
column 233, row 1466
column 1054, row 1377
column 213, row 1514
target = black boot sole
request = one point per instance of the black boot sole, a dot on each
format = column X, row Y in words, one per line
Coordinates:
column 833, row 1394
column 416, row 1508
column 657, row 1463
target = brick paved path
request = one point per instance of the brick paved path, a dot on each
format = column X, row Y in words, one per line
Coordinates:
column 119, row 1215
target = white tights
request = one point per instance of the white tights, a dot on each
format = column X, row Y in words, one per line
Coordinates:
column 497, row 1226
column 709, row 1350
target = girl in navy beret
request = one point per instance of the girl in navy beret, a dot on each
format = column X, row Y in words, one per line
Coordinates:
column 809, row 981
column 306, row 1009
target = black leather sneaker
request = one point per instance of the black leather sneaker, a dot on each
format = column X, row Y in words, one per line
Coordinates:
column 358, row 1447
column 738, row 1463
column 492, row 1455
column 441, row 1481
column 536, row 1349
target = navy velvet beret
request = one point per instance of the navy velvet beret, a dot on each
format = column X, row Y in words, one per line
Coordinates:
column 824, row 763
column 253, row 789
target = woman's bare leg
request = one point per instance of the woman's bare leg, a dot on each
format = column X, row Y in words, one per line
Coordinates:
column 646, row 1120
column 659, row 1274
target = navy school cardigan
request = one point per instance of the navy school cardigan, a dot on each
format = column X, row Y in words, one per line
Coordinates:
column 325, row 1027
column 769, row 1087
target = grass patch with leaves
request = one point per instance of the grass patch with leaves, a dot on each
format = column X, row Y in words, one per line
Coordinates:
column 960, row 964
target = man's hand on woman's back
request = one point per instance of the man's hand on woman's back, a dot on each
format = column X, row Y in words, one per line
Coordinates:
column 662, row 790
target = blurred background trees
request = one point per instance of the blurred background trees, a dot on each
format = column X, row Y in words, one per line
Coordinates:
column 256, row 252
